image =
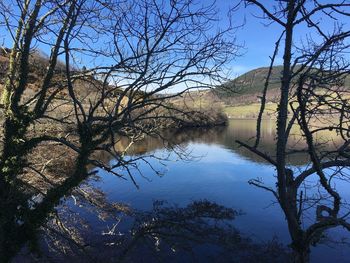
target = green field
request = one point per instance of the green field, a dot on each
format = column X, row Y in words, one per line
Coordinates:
column 250, row 111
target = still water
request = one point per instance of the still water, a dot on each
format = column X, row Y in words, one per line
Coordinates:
column 198, row 165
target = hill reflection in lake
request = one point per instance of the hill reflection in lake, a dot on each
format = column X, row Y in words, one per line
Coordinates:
column 240, row 129
column 105, row 214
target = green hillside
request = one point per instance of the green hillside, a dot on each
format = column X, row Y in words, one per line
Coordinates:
column 251, row 82
column 240, row 98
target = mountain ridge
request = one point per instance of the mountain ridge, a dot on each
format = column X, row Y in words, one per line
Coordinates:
column 248, row 87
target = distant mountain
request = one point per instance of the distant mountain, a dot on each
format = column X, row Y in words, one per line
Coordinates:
column 248, row 87
column 253, row 81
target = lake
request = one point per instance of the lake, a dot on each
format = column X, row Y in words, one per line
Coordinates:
column 197, row 165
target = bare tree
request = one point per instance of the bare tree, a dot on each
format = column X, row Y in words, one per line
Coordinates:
column 138, row 51
column 312, row 90
column 22, row 110
column 156, row 46
column 32, row 22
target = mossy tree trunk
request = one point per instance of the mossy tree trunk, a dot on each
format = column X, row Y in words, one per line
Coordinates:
column 18, row 118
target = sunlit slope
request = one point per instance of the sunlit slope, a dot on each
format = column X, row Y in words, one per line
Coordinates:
column 240, row 98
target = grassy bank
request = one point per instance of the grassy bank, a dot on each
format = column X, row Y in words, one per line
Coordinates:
column 250, row 111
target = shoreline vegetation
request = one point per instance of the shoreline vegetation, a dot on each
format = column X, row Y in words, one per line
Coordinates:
column 52, row 170
column 61, row 118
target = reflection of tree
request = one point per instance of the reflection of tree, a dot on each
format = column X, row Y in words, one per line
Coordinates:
column 189, row 230
column 312, row 89
column 200, row 231
column 245, row 130
column 242, row 130
column 172, row 139
column 150, row 46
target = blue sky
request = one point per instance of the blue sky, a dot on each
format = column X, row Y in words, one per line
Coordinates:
column 256, row 38
column 259, row 39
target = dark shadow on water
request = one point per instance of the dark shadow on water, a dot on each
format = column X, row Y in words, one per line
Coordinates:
column 82, row 224
column 226, row 136
column 86, row 227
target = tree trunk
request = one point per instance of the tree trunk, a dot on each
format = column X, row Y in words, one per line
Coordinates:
column 301, row 255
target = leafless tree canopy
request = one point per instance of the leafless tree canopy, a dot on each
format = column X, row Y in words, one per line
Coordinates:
column 111, row 68
column 313, row 96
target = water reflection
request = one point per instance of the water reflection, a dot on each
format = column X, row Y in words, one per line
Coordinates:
column 108, row 219
column 87, row 227
column 226, row 136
